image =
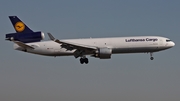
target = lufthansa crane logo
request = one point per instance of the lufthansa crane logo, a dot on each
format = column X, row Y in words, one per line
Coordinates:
column 19, row 26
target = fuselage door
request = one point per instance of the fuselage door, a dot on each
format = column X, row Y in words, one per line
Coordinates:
column 160, row 42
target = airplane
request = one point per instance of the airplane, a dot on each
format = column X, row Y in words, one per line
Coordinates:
column 27, row 40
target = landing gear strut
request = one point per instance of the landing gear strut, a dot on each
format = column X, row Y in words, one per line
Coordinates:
column 152, row 58
column 84, row 60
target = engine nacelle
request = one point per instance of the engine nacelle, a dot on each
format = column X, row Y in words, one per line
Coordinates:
column 26, row 37
column 103, row 53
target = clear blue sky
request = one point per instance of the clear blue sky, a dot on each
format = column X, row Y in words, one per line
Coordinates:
column 126, row 77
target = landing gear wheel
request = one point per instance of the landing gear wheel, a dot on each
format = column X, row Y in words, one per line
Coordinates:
column 151, row 54
column 84, row 60
column 152, row 58
column 81, row 60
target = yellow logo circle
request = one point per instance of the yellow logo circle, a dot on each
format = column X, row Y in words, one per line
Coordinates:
column 19, row 26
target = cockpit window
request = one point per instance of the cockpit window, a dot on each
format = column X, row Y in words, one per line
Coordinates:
column 168, row 40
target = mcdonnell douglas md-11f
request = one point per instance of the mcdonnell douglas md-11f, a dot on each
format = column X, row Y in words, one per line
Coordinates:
column 29, row 41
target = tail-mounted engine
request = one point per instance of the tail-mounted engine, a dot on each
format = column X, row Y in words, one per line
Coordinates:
column 26, row 37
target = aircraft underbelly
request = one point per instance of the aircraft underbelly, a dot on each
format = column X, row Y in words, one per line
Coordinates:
column 135, row 50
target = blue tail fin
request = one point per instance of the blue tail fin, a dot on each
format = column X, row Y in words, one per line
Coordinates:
column 19, row 26
column 23, row 33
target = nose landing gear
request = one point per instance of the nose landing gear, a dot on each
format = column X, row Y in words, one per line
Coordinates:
column 152, row 58
column 151, row 54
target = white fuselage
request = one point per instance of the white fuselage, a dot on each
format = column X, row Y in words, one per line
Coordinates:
column 139, row 44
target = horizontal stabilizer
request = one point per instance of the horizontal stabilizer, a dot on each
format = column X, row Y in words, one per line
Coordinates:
column 23, row 45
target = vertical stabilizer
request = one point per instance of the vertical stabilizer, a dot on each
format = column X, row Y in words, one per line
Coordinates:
column 19, row 26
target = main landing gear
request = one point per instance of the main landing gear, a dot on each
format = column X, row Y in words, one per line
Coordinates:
column 84, row 60
column 151, row 54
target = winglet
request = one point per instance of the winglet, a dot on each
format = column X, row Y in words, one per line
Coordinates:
column 53, row 39
column 50, row 36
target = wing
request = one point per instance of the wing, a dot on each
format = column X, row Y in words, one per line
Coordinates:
column 80, row 48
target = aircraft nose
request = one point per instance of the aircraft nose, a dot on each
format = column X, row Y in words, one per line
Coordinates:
column 170, row 44
column 173, row 44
